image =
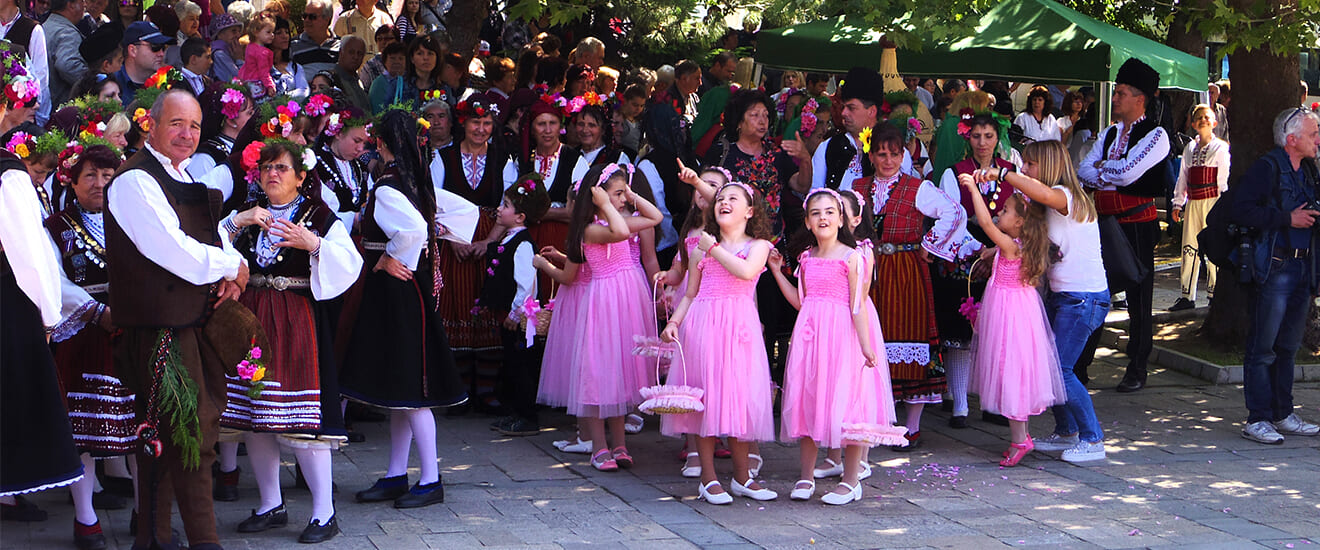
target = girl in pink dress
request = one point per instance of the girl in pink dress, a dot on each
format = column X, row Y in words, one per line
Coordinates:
column 1016, row 368
column 719, row 331
column 831, row 350
column 258, row 58
column 561, row 345
column 605, row 378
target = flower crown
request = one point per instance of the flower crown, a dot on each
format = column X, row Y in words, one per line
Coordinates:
column 343, row 120
column 781, row 105
column 232, row 100
column 279, row 115
column 252, row 155
column 893, row 99
column 165, row 78
column 558, row 102
column 26, row 145
column 966, row 114
column 20, row 88
column 470, row 108
column 590, row 98
column 910, row 126
column 809, row 116
column 72, row 153
column 434, row 94
column 93, row 114
column 318, row 105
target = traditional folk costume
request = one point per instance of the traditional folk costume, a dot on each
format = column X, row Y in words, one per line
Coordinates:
column 476, row 179
column 36, row 442
column 1124, row 169
column 510, row 280
column 347, row 184
column 100, row 406
column 1201, row 179
column 559, row 174
column 950, row 280
column 902, row 292
column 166, row 310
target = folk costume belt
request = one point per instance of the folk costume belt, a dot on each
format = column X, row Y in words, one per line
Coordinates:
column 278, row 282
column 97, row 289
column 889, row 249
column 373, row 245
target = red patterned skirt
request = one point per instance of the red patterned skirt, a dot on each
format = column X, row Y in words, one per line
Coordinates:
column 100, row 406
column 463, row 281
column 291, row 400
column 903, row 298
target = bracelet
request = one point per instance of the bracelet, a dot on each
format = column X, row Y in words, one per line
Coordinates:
column 316, row 252
column 230, row 226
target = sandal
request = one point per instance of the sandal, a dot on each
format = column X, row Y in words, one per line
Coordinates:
column 621, row 457
column 633, row 423
column 1016, row 451
column 603, row 461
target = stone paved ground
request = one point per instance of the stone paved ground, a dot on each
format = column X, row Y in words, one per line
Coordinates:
column 1178, row 476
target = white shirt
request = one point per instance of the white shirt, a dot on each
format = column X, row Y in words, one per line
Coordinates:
column 589, row 157
column 1125, row 170
column 153, row 226
column 337, row 266
column 851, row 174
column 523, row 273
column 25, row 243
column 1081, row 269
column 454, row 213
column 668, row 234
column 1214, row 154
column 402, row 224
column 1044, row 130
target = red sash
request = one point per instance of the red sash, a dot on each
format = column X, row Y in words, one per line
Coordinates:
column 1202, row 182
column 1128, row 208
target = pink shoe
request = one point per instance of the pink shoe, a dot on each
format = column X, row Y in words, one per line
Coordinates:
column 604, row 462
column 622, row 458
column 1016, row 451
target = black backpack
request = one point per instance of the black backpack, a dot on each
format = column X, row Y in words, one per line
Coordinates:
column 1221, row 236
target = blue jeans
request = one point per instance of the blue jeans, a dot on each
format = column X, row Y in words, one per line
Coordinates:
column 1074, row 316
column 1278, row 318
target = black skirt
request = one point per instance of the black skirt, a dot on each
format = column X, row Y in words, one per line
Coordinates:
column 950, row 289
column 36, row 439
column 399, row 356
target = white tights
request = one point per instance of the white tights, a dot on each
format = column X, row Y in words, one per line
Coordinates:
column 406, row 425
column 264, row 453
column 958, row 367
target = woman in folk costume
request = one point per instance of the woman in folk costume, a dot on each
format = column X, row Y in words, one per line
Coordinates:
column 473, row 171
column 900, row 205
column 591, row 118
column 1202, row 178
column 541, row 151
column 100, row 407
column 300, row 256
column 36, row 441
column 399, row 356
column 344, row 177
column 984, row 138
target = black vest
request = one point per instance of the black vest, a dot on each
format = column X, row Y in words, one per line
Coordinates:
column 144, row 294
column 328, row 172
column 839, row 153
column 371, row 231
column 21, row 33
column 559, row 185
column 490, row 191
column 291, row 262
column 1152, row 183
column 218, row 148
column 500, row 286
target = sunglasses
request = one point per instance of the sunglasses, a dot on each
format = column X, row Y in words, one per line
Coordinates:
column 1294, row 114
column 309, row 16
column 127, row 3
column 155, row 48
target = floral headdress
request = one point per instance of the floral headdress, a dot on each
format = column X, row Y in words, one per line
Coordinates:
column 317, row 105
column 781, row 105
column 232, row 99
column 252, row 155
column 557, row 102
column 434, row 94
column 909, row 125
column 966, row 114
column 165, row 78
column 72, row 152
column 345, row 119
column 22, row 91
column 93, row 114
column 809, row 116
column 894, row 99
column 26, row 145
column 590, row 98
column 20, row 88
column 278, row 116
column 475, row 107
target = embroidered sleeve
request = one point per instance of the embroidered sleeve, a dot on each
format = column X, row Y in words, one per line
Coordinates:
column 1148, row 152
column 948, row 239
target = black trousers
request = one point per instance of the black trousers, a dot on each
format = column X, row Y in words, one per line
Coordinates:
column 521, row 373
column 1143, row 237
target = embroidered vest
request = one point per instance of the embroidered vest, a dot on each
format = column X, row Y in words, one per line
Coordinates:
column 82, row 257
column 290, row 262
column 491, row 189
column 839, row 154
column 900, row 222
column 562, row 181
column 500, row 286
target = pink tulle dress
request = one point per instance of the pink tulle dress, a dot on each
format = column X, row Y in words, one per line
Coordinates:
column 606, row 378
column 1015, row 368
column 723, row 348
column 871, row 421
column 561, row 341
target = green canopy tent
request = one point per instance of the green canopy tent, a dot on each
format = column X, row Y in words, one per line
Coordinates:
column 1018, row 40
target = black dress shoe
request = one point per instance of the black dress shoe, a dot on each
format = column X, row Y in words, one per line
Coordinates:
column 914, row 441
column 422, row 495
column 502, row 423
column 275, row 517
column 225, row 486
column 356, row 437
column 992, row 418
column 520, row 427
column 1129, row 385
column 88, row 537
column 958, row 422
column 122, row 486
column 385, row 488
column 1182, row 304
column 21, row 510
column 315, row 532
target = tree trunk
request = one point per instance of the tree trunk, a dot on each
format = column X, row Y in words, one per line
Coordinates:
column 465, row 19
column 1257, row 78
column 1192, row 42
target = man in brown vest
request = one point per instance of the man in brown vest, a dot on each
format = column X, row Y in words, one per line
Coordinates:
column 169, row 269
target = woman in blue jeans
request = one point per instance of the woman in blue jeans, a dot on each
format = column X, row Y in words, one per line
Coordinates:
column 1079, row 292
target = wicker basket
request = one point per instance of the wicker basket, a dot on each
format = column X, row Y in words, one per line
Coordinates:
column 667, row 398
column 543, row 315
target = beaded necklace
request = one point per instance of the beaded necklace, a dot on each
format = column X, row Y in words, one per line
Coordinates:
column 267, row 252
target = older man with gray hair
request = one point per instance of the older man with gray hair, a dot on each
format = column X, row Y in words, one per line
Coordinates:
column 1277, row 198
column 317, row 48
column 63, row 39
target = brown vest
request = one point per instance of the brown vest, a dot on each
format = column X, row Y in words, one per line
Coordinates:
column 144, row 294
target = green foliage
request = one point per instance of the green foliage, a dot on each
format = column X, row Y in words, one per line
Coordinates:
column 178, row 404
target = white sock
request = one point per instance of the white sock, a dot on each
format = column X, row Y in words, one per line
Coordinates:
column 228, row 456
column 117, row 466
column 83, row 511
column 958, row 367
column 400, row 440
column 315, row 463
column 914, row 417
column 264, row 454
column 423, row 428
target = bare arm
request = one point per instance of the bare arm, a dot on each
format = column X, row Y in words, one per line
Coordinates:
column 790, row 292
column 859, row 282
column 747, row 268
column 650, row 263
column 670, row 332
column 648, row 214
column 987, row 223
column 564, row 276
column 1037, row 191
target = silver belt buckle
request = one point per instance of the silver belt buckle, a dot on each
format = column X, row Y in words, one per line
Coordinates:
column 888, row 249
column 279, row 283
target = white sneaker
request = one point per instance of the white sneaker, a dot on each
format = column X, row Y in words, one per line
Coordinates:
column 1294, row 425
column 865, row 472
column 1263, row 432
column 633, row 423
column 577, row 446
column 1056, row 442
column 835, row 469
column 803, row 493
column 754, row 494
column 1085, row 452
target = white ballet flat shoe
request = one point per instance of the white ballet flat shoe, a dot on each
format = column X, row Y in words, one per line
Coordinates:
column 854, row 494
column 633, row 423
column 577, row 446
column 835, row 470
column 753, row 471
column 703, row 493
column 803, row 493
column 865, row 472
column 754, row 494
column 691, row 471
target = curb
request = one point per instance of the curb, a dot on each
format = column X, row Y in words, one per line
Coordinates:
column 1197, row 367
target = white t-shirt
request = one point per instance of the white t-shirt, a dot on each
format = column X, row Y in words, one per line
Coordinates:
column 1044, row 130
column 1081, row 269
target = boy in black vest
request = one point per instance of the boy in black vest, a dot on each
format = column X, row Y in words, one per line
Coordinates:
column 511, row 283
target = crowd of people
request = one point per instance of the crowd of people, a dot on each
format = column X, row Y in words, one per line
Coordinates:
column 230, row 233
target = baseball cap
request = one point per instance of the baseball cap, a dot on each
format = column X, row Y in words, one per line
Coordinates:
column 145, row 31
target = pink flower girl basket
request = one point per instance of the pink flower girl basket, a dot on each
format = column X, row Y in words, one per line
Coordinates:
column 667, row 398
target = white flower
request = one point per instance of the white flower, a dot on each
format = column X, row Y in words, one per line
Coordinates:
column 308, row 159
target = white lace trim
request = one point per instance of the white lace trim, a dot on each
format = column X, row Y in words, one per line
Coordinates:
column 75, row 322
column 905, row 352
column 41, row 488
